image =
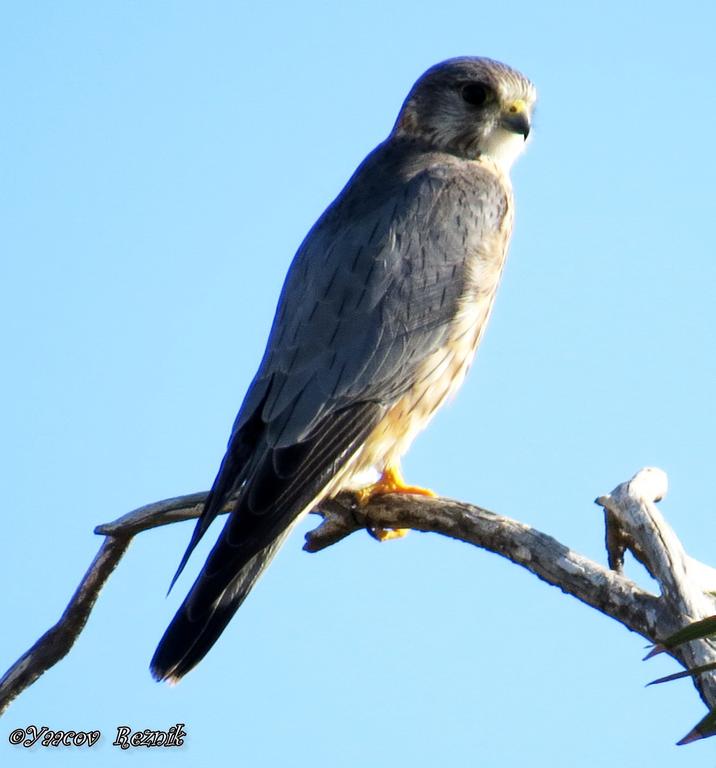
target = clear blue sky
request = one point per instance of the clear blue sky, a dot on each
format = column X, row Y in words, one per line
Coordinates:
column 159, row 164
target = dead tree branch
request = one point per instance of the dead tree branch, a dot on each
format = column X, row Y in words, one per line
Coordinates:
column 553, row 562
column 633, row 523
column 56, row 643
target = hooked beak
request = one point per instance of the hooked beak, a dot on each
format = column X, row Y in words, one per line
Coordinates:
column 516, row 118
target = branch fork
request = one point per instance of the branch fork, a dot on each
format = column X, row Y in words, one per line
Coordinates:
column 634, row 522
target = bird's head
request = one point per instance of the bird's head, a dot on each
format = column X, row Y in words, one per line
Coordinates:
column 471, row 107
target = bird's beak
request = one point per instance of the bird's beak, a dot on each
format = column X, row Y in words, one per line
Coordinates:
column 516, row 118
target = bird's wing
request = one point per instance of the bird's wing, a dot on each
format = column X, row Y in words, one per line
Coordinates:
column 371, row 292
column 365, row 300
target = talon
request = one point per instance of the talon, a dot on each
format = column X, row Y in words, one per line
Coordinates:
column 391, row 481
column 388, row 534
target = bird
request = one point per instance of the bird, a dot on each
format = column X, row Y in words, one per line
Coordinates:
column 378, row 321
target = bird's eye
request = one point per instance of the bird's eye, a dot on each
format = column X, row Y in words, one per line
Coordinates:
column 475, row 94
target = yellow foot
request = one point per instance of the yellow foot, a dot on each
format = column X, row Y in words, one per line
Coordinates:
column 391, row 481
column 388, row 534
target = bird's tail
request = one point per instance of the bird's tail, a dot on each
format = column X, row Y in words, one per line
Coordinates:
column 191, row 634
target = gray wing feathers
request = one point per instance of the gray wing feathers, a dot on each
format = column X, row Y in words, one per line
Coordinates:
column 371, row 292
column 363, row 303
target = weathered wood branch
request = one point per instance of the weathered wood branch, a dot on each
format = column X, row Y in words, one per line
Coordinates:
column 633, row 523
column 56, row 643
column 686, row 585
column 553, row 562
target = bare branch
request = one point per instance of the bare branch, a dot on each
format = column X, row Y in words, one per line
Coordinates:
column 154, row 515
column 58, row 640
column 633, row 523
column 685, row 583
column 551, row 561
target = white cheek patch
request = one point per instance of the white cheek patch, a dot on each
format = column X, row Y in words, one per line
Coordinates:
column 503, row 147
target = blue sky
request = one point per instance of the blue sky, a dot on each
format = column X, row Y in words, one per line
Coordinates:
column 159, row 164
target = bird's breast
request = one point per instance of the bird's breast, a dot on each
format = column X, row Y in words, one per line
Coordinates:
column 442, row 371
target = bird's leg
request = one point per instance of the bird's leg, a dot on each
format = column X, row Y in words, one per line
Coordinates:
column 391, row 481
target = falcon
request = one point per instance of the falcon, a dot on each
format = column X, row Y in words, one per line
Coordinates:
column 378, row 321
